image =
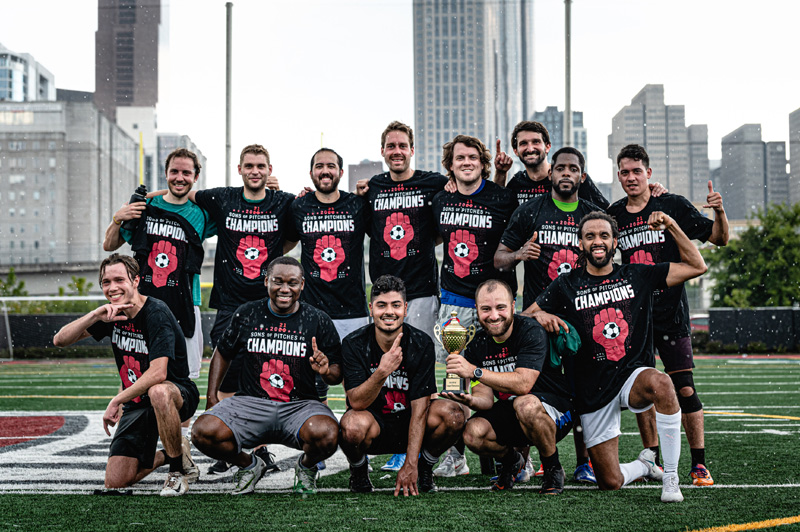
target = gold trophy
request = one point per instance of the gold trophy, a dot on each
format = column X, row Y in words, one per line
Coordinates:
column 454, row 337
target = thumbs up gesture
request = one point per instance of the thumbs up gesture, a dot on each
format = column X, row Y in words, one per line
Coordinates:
column 530, row 250
column 714, row 199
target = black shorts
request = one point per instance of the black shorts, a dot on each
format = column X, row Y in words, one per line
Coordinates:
column 394, row 434
column 507, row 428
column 230, row 383
column 675, row 353
column 137, row 432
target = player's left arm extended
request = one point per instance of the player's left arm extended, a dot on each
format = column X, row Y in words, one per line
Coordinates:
column 692, row 264
column 407, row 476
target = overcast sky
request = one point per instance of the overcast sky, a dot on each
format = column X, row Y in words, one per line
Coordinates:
column 344, row 69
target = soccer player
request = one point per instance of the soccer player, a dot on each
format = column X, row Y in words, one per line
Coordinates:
column 283, row 343
column 389, row 379
column 671, row 332
column 611, row 308
column 509, row 360
column 156, row 395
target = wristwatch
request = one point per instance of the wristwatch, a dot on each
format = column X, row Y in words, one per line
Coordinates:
column 477, row 374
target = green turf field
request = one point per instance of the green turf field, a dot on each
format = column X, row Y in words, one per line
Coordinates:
column 752, row 427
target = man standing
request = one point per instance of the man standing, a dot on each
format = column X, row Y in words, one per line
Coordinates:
column 640, row 244
column 283, row 344
column 509, row 360
column 157, row 394
column 389, row 378
column 611, row 307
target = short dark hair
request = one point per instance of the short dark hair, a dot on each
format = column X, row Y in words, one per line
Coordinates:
column 183, row 153
column 470, row 142
column 288, row 261
column 385, row 284
column 339, row 159
column 116, row 258
column 598, row 215
column 635, row 152
column 529, row 125
column 398, row 126
column 572, row 151
column 491, row 285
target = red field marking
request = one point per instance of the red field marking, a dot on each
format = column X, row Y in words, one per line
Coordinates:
column 18, row 429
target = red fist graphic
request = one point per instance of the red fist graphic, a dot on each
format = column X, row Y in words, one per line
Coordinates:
column 130, row 372
column 463, row 250
column 563, row 262
column 329, row 255
column 252, row 253
column 163, row 261
column 610, row 330
column 398, row 233
column 642, row 257
column 396, row 402
column 276, row 380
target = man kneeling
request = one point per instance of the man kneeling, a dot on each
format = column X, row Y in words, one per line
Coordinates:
column 509, row 359
column 389, row 379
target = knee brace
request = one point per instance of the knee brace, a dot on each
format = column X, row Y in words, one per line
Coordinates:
column 685, row 379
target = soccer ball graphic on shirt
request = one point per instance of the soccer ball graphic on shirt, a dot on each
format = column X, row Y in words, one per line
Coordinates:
column 251, row 253
column 611, row 330
column 397, row 232
column 276, row 381
column 461, row 250
column 328, row 255
column 398, row 407
column 162, row 260
column 564, row 267
column 131, row 376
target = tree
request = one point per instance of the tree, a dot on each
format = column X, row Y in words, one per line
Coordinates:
column 12, row 287
column 762, row 267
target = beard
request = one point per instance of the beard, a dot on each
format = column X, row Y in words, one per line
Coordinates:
column 600, row 263
column 565, row 194
column 504, row 326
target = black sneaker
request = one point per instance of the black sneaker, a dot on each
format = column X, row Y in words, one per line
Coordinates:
column 425, row 477
column 553, row 481
column 269, row 459
column 359, row 479
column 220, row 467
column 506, row 477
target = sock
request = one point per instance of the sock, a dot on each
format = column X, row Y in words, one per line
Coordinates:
column 632, row 470
column 166, row 457
column 253, row 463
column 358, row 462
column 510, row 458
column 550, row 462
column 175, row 463
column 656, row 450
column 580, row 461
column 428, row 457
column 184, row 431
column 300, row 463
column 698, row 456
column 459, row 446
column 669, row 434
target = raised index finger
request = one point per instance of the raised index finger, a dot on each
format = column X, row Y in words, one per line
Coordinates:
column 397, row 341
column 498, row 145
column 314, row 344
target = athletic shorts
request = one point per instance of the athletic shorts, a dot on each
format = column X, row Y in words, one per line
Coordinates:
column 507, row 428
column 423, row 313
column 675, row 353
column 194, row 346
column 254, row 420
column 137, row 432
column 466, row 316
column 603, row 424
column 230, row 383
column 394, row 434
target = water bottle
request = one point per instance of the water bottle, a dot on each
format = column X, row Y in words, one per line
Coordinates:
column 140, row 194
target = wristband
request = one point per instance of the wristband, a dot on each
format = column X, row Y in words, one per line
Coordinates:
column 114, row 219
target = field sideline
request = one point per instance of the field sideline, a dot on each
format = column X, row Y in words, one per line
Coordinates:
column 53, row 450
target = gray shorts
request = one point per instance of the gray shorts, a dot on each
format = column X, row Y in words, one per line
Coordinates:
column 254, row 420
column 422, row 313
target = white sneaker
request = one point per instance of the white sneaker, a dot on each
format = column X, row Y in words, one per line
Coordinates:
column 452, row 465
column 527, row 473
column 245, row 480
column 190, row 470
column 670, row 490
column 175, row 485
column 654, row 472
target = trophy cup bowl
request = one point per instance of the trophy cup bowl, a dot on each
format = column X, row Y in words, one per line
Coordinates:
column 454, row 337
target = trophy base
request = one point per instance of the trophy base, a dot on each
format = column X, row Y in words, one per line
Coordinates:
column 455, row 384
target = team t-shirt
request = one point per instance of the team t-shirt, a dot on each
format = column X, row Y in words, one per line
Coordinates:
column 640, row 245
column 527, row 347
column 557, row 235
column 613, row 315
column 415, row 378
column 402, row 230
column 153, row 333
column 332, row 253
column 526, row 189
column 251, row 234
column 276, row 349
column 471, row 227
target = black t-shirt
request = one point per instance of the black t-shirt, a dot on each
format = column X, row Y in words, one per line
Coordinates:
column 526, row 189
column 613, row 315
column 332, row 253
column 415, row 378
column 169, row 252
column 471, row 227
column 251, row 234
column 527, row 347
column 153, row 333
column 276, row 350
column 557, row 236
column 640, row 245
column 403, row 232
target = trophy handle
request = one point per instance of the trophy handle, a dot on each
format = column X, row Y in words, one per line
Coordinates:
column 470, row 334
column 437, row 330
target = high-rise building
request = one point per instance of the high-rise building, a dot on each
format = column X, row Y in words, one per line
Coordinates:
column 167, row 143
column 363, row 170
column 777, row 179
column 794, row 157
column 553, row 120
column 698, row 162
column 473, row 64
column 742, row 182
column 22, row 79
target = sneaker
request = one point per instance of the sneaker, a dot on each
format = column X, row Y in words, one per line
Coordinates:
column 525, row 475
column 670, row 490
column 425, row 478
column 452, row 465
column 321, row 465
column 268, row 458
column 175, row 486
column 395, row 462
column 305, row 480
column 553, row 481
column 584, row 473
column 701, row 476
column 359, row 479
column 507, row 478
column 648, row 458
column 190, row 470
column 540, row 471
column 219, row 467
column 245, row 480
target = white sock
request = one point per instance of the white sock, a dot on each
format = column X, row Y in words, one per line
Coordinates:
column 669, row 436
column 633, row 470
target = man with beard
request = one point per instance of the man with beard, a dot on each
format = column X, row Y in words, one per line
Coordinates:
column 611, row 308
column 509, row 360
